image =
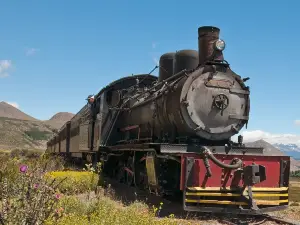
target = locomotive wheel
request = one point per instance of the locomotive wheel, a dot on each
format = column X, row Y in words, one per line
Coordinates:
column 107, row 168
column 129, row 171
column 140, row 173
column 120, row 172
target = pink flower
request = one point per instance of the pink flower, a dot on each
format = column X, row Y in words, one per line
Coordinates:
column 61, row 209
column 23, row 168
column 57, row 196
column 36, row 186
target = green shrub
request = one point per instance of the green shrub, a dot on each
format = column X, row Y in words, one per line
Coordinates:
column 26, row 153
column 72, row 205
column 295, row 173
column 37, row 135
column 27, row 198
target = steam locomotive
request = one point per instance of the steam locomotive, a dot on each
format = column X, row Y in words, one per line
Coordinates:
column 171, row 134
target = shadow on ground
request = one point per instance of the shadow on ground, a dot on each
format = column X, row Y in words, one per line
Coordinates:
column 127, row 195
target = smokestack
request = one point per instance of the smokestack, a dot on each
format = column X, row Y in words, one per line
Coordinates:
column 207, row 35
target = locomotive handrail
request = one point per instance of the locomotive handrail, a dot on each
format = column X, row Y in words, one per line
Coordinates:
column 164, row 81
column 154, row 97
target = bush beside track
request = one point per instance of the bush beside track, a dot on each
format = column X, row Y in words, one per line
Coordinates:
column 38, row 188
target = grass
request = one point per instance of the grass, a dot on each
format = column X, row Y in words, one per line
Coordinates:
column 104, row 210
column 294, row 192
column 49, row 194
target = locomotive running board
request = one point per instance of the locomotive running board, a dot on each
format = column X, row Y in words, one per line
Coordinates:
column 234, row 150
column 230, row 200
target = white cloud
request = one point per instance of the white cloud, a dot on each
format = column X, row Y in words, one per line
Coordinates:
column 154, row 54
column 297, row 122
column 31, row 51
column 255, row 135
column 14, row 104
column 5, row 66
column 155, row 60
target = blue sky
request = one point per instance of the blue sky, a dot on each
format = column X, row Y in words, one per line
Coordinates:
column 55, row 53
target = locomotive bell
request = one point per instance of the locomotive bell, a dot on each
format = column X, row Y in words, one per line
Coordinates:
column 210, row 47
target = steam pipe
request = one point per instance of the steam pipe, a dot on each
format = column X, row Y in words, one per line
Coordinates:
column 238, row 163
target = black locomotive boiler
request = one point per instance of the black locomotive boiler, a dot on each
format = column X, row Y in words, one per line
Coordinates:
column 172, row 134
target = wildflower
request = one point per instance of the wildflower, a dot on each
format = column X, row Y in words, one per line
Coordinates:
column 57, row 196
column 61, row 209
column 23, row 168
column 36, row 186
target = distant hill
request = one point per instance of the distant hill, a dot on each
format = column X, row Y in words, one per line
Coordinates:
column 19, row 130
column 269, row 149
column 8, row 111
column 59, row 119
column 19, row 134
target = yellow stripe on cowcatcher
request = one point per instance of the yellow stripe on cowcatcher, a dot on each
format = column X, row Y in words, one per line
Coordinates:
column 199, row 195
column 235, row 189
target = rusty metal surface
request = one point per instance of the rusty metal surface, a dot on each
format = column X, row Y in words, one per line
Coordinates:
column 207, row 35
column 201, row 107
column 166, row 66
column 185, row 59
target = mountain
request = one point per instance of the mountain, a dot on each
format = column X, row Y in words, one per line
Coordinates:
column 19, row 134
column 9, row 111
column 270, row 149
column 59, row 119
column 289, row 149
column 19, row 130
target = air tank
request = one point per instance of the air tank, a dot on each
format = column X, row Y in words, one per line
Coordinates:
column 185, row 59
column 166, row 66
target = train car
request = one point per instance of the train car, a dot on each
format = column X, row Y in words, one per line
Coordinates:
column 64, row 139
column 171, row 134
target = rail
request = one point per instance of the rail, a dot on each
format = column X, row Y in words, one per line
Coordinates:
column 265, row 218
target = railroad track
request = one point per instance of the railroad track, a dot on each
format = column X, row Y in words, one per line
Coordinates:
column 281, row 220
column 260, row 219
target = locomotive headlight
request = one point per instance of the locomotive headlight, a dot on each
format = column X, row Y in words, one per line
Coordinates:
column 220, row 45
